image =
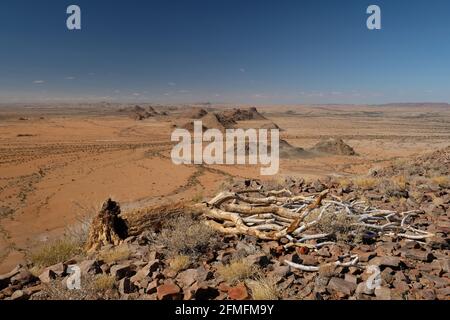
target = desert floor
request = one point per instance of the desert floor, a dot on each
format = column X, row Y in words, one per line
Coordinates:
column 58, row 164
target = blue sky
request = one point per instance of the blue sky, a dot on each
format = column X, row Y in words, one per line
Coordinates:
column 236, row 51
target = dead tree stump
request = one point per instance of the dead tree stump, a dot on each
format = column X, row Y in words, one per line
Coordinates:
column 107, row 227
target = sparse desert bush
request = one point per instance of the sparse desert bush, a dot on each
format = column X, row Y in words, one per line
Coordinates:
column 400, row 182
column 344, row 183
column 115, row 254
column 236, row 270
column 70, row 245
column 264, row 288
column 226, row 184
column 179, row 263
column 442, row 181
column 103, row 283
column 277, row 183
column 185, row 235
column 79, row 232
column 54, row 252
column 341, row 226
column 92, row 288
column 366, row 183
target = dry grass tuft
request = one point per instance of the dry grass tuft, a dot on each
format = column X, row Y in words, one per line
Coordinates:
column 442, row 181
column 264, row 288
column 92, row 288
column 116, row 254
column 185, row 235
column 179, row 263
column 400, row 182
column 69, row 246
column 197, row 198
column 103, row 283
column 55, row 252
column 236, row 270
column 344, row 183
column 341, row 226
column 366, row 183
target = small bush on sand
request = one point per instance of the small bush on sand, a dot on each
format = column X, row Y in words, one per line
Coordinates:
column 236, row 270
column 185, row 235
column 264, row 288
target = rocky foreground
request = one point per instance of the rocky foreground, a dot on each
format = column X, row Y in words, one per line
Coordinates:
column 171, row 253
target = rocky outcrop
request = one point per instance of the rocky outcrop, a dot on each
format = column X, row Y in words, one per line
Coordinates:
column 334, row 147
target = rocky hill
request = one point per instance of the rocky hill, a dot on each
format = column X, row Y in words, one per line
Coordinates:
column 371, row 237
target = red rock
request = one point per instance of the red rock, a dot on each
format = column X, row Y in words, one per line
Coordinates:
column 168, row 291
column 302, row 250
column 90, row 267
column 387, row 261
column 121, row 271
column 420, row 255
column 238, row 292
column 341, row 286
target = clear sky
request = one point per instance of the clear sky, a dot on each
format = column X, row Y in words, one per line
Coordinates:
column 236, row 51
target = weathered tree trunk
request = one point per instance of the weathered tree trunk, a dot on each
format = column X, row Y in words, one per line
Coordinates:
column 107, row 227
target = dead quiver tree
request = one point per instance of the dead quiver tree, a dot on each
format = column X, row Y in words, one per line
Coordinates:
column 107, row 227
column 309, row 221
column 111, row 226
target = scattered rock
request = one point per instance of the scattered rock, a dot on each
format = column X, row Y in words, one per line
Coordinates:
column 47, row 276
column 23, row 277
column 19, row 295
column 90, row 267
column 238, row 292
column 420, row 255
column 120, row 271
column 387, row 261
column 383, row 293
column 187, row 277
column 168, row 291
column 126, row 286
column 339, row 285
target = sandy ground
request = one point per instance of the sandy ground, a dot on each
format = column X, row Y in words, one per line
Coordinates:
column 61, row 163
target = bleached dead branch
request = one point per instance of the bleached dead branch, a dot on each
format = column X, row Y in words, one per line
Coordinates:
column 272, row 215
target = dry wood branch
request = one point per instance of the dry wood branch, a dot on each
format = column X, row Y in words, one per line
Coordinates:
column 302, row 267
column 275, row 214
